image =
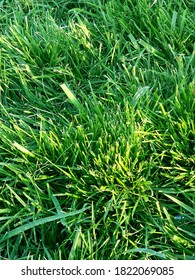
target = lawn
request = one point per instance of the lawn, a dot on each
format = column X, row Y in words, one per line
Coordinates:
column 97, row 130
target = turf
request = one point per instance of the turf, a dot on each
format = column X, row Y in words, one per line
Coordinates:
column 97, row 130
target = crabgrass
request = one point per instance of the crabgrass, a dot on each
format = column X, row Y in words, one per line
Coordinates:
column 97, row 129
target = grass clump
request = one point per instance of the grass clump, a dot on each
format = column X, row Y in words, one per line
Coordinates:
column 97, row 130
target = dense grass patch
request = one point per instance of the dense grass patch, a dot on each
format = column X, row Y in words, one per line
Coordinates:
column 97, row 129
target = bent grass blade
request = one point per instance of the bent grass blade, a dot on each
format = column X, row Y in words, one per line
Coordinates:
column 38, row 222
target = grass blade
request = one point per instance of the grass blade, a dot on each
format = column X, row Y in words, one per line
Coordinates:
column 147, row 251
column 72, row 98
column 23, row 149
column 38, row 222
column 141, row 92
column 180, row 203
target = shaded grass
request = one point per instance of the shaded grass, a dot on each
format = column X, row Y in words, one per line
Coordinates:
column 97, row 110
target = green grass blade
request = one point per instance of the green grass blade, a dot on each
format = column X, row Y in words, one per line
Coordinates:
column 147, row 251
column 180, row 203
column 72, row 98
column 38, row 222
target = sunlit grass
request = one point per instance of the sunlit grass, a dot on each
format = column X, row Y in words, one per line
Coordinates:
column 97, row 130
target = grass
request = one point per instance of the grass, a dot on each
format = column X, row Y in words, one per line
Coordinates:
column 97, row 129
